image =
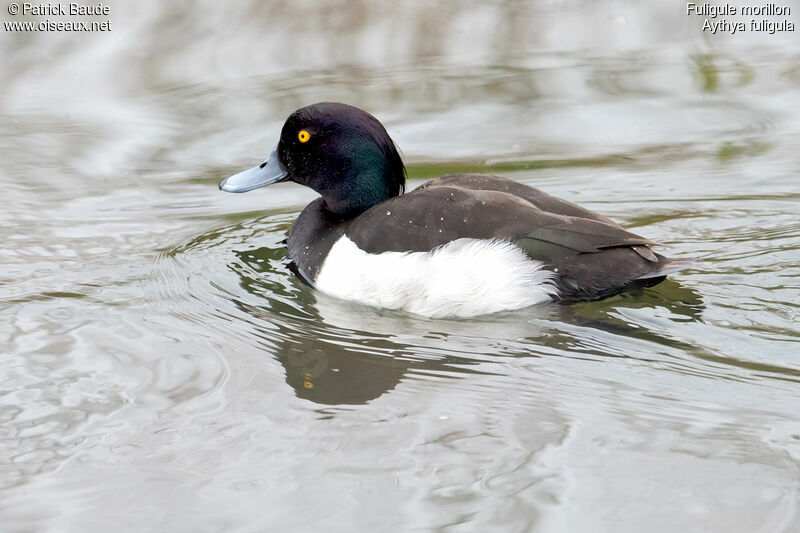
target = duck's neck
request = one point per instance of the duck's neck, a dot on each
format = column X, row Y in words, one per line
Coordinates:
column 375, row 181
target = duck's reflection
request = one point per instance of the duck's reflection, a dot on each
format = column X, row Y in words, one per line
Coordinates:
column 329, row 374
column 339, row 353
column 352, row 354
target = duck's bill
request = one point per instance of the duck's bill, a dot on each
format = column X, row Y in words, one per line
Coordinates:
column 267, row 173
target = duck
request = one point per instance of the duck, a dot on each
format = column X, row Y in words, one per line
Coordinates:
column 460, row 245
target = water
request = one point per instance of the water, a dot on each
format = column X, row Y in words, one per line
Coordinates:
column 163, row 370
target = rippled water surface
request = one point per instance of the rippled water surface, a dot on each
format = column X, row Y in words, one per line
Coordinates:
column 163, row 370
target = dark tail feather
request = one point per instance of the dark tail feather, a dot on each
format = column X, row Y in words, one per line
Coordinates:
column 671, row 266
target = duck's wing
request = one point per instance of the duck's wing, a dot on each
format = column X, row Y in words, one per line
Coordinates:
column 437, row 214
column 540, row 199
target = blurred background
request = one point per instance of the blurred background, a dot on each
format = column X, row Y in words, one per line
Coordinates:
column 169, row 87
column 163, row 370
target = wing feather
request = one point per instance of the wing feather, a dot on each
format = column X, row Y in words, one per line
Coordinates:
column 476, row 206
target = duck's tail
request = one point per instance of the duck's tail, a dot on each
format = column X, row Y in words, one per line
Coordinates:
column 670, row 266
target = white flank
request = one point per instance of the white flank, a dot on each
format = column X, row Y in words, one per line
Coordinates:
column 463, row 278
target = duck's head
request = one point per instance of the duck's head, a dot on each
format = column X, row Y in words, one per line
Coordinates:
column 338, row 150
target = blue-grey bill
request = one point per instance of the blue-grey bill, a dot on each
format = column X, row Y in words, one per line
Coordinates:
column 267, row 173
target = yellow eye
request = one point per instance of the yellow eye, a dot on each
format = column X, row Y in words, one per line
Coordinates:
column 303, row 136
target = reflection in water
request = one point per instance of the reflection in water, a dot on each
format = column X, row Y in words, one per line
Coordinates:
column 326, row 372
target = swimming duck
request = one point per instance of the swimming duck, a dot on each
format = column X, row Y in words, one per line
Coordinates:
column 460, row 245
